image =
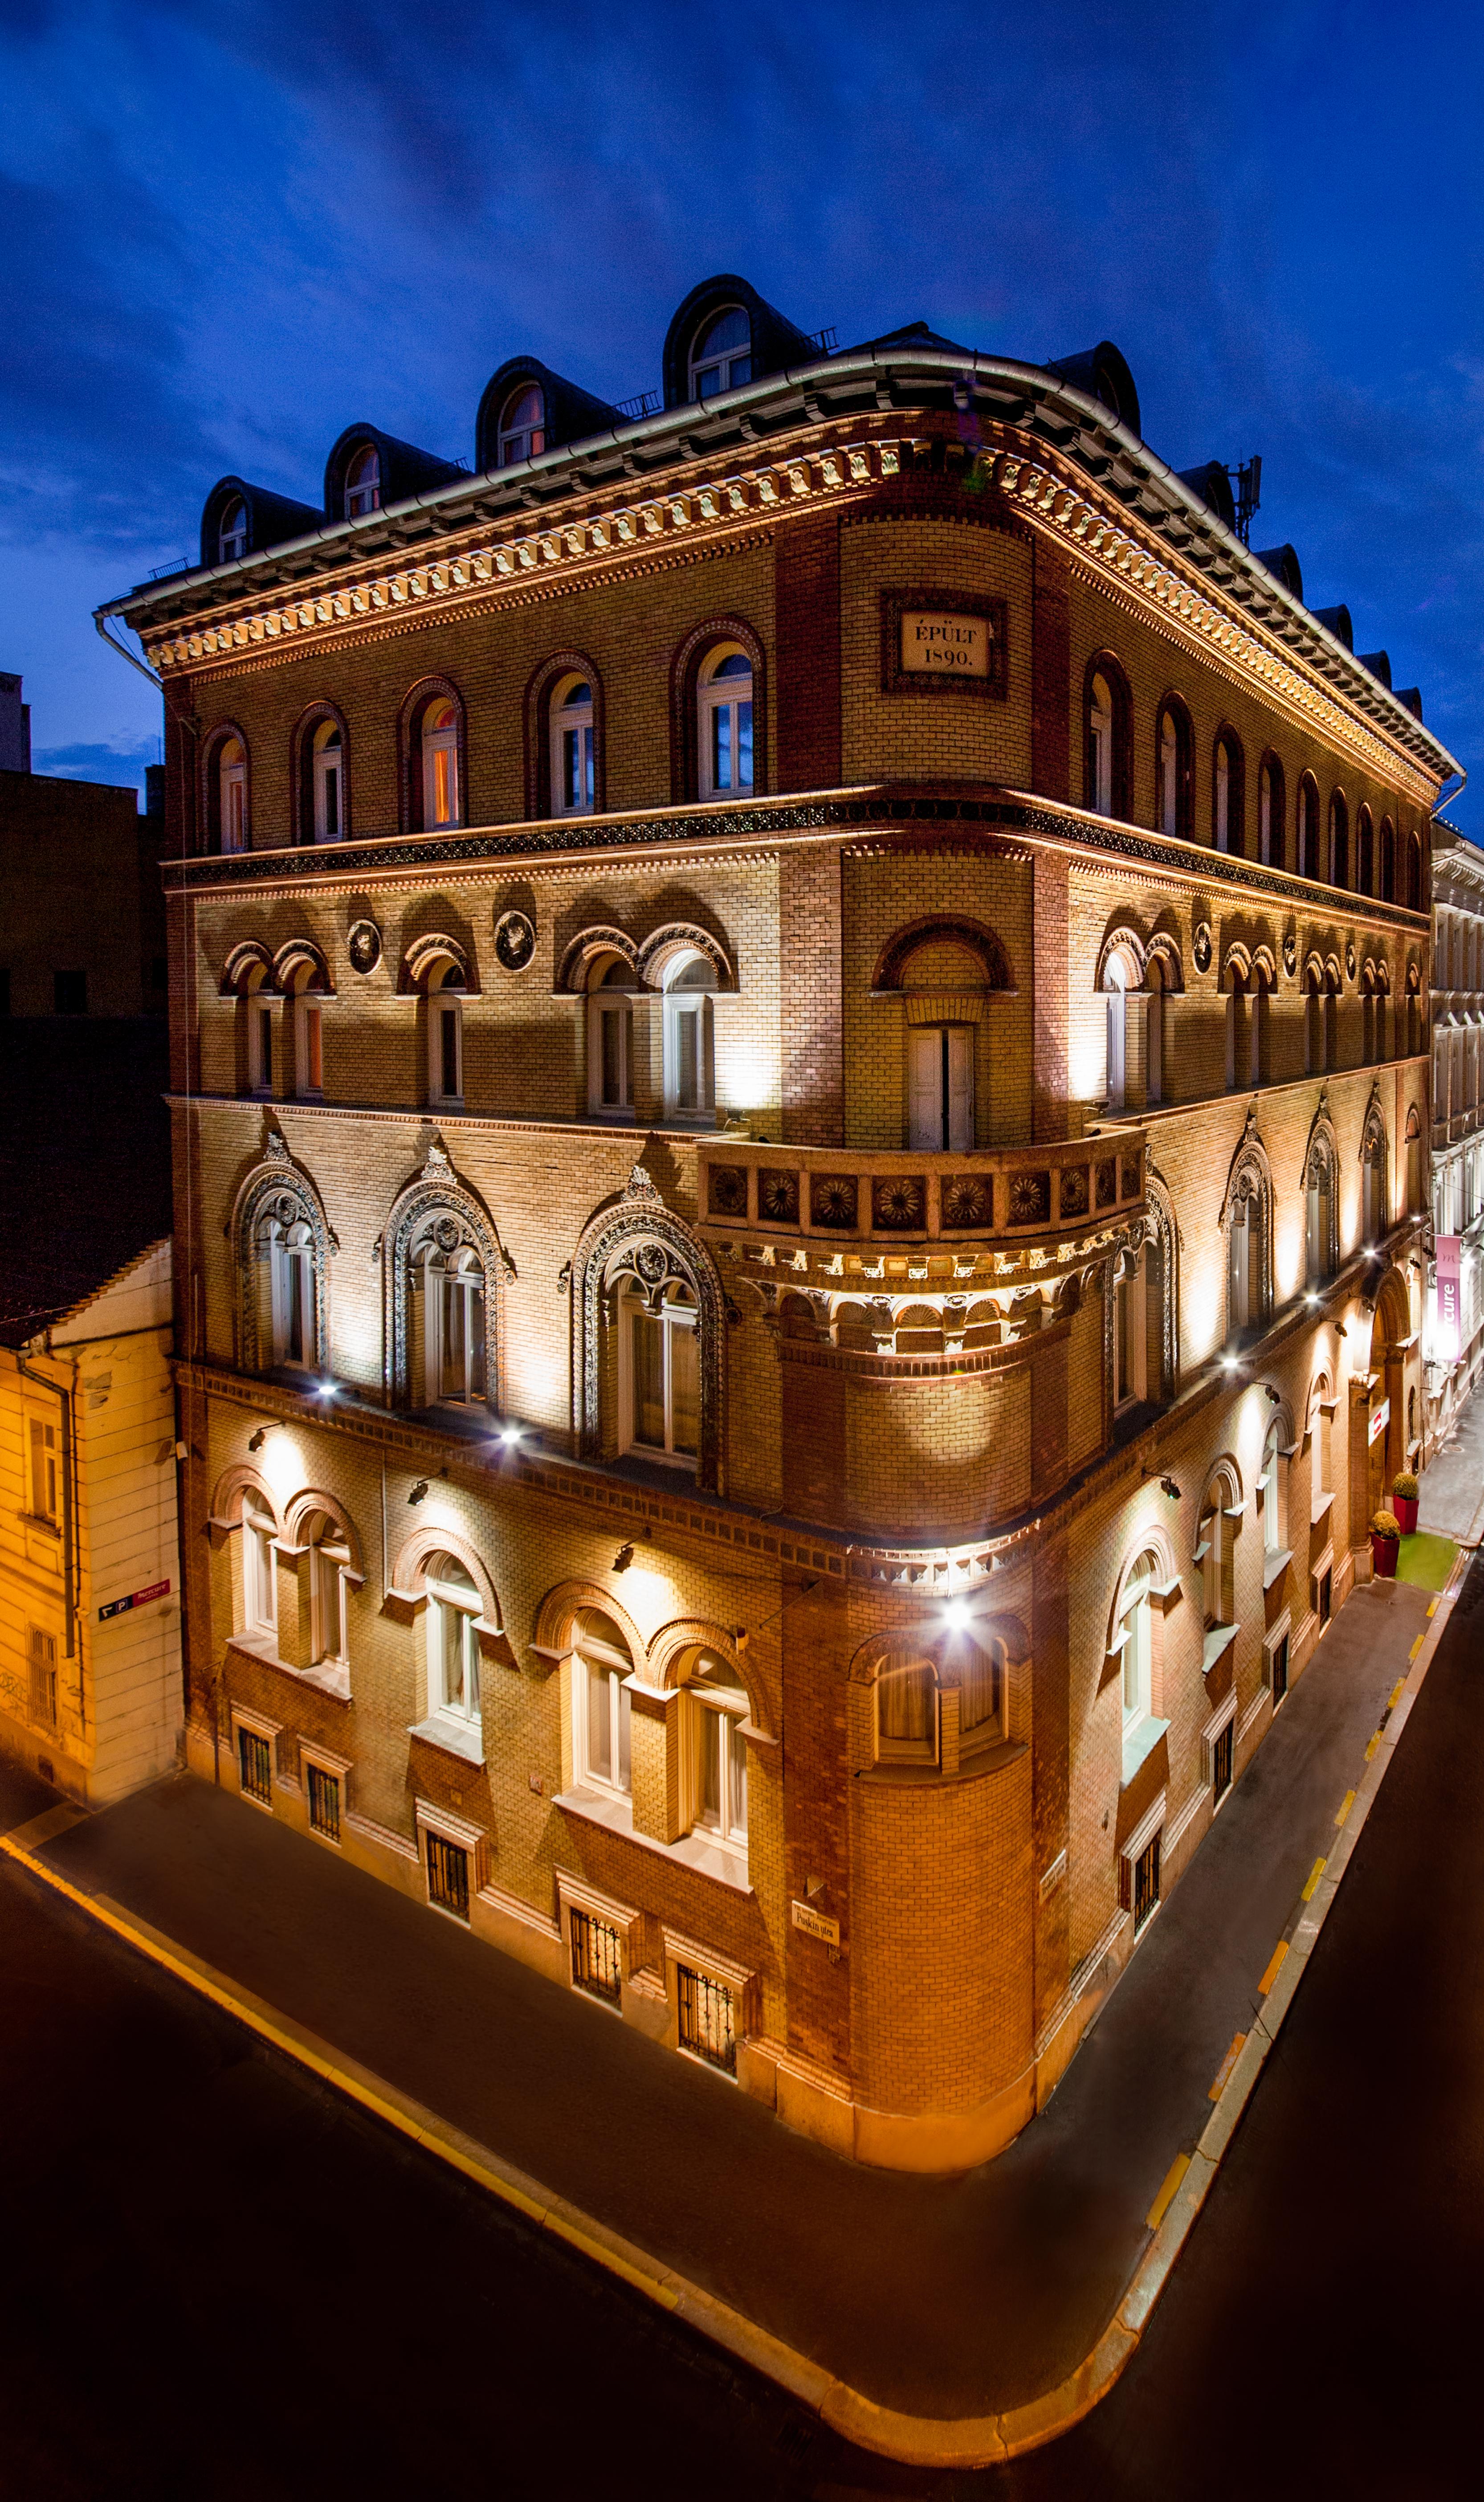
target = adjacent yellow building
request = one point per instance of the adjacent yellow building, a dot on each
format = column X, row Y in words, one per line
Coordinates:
column 89, row 1568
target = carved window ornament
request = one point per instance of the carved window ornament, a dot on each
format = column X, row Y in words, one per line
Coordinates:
column 1246, row 1222
column 443, row 1268
column 638, row 1259
column 1321, row 1175
column 282, row 1246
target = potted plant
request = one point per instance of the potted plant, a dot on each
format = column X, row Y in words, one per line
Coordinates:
column 1385, row 1544
column 1404, row 1493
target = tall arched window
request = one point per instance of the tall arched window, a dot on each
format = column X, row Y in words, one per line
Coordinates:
column 714, row 1749
column 282, row 1246
column 687, row 1046
column 1375, row 1177
column 1308, row 828
column 232, row 785
column 329, row 1562
column 453, row 1643
column 1414, row 871
column 444, row 985
column 1388, row 862
column 1136, row 1638
column 724, row 730
column 304, row 1031
column 574, row 748
column 362, row 482
column 1339, row 841
column 1220, row 1515
column 1227, row 800
column 601, row 1710
column 659, row 1372
column 1272, row 831
column 1273, row 1491
column 1100, row 728
column 255, row 1029
column 441, row 795
column 232, row 534
column 1107, row 738
column 611, row 984
column 328, row 782
column 1121, row 975
column 523, row 425
column 1320, row 1228
column 259, row 1567
column 1174, row 768
column 285, row 1248
column 722, row 353
column 1247, row 1222
column 1365, row 854
column 446, row 1335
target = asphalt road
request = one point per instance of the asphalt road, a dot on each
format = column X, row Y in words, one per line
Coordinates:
column 219, row 2279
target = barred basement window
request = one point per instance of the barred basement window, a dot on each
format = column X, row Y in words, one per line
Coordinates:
column 1146, row 1882
column 255, row 1760
column 597, row 1961
column 41, row 1648
column 1220, row 1763
column 707, row 2022
column 323, row 1804
column 1279, row 1671
column 448, row 1877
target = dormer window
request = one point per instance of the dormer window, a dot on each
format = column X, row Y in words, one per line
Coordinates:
column 329, row 783
column 523, row 425
column 232, row 538
column 440, row 764
column 722, row 357
column 726, row 723
column 363, row 482
column 573, row 782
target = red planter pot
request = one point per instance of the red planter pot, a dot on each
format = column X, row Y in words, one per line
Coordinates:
column 1384, row 1552
column 1405, row 1508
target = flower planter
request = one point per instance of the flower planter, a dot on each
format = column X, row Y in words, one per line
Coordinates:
column 1384, row 1552
column 1404, row 1506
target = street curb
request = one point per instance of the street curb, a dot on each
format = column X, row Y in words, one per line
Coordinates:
column 919, row 2440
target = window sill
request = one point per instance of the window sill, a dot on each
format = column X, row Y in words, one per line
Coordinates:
column 332, row 1677
column 613, row 1116
column 1219, row 1639
column 461, row 1738
column 1319, row 1511
column 972, row 1766
column 1275, row 1564
column 38, row 1521
column 695, row 1850
column 1140, row 1743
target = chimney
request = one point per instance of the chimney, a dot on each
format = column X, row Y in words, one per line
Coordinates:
column 14, row 726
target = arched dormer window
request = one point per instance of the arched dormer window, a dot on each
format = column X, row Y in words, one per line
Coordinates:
column 523, row 425
column 1308, row 828
column 1247, row 1225
column 1339, row 841
column 232, row 533
column 722, row 353
column 724, row 725
column 362, row 482
column 441, row 1266
column 574, row 748
column 1107, row 760
column 1174, row 752
column 1229, row 831
column 328, row 782
column 1365, row 854
column 1388, row 862
column 1272, row 823
column 687, row 1042
column 648, row 1303
column 283, row 1246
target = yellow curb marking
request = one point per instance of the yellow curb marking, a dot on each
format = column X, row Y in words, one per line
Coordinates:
column 1167, row 2187
column 1374, row 1744
column 1416, row 1647
column 1315, row 1874
column 1346, row 1803
column 1396, row 1693
column 1433, row 1607
column 1273, row 1969
column 1227, row 2066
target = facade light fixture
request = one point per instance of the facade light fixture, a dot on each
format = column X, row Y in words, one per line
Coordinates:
column 624, row 1558
column 419, row 1491
column 1169, row 1486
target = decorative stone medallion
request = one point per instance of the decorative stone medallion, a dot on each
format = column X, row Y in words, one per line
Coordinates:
column 364, row 946
column 1200, row 946
column 1290, row 953
column 514, row 941
column 1350, row 959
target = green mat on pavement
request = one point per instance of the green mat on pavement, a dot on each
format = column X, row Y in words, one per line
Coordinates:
column 1426, row 1561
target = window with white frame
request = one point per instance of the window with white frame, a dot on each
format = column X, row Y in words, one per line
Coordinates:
column 716, row 1708
column 232, row 533
column 660, row 1373
column 1273, row 1489
column 44, row 1480
column 304, row 1012
column 453, row 1640
column 328, row 770
column 610, row 1031
column 448, row 1321
column 1101, row 734
column 329, row 1562
column 601, row 1707
column 726, row 726
column 232, row 795
column 722, row 353
column 1130, row 1310
column 41, row 1663
column 258, row 1014
column 445, row 986
column 440, row 764
column 574, row 752
column 1222, row 796
column 259, row 1575
column 523, row 425
column 1213, row 1554
column 1264, row 814
column 940, row 1088
column 363, row 482
column 1243, row 1252
column 1169, row 773
column 1136, row 1629
column 687, row 1042
column 289, row 1244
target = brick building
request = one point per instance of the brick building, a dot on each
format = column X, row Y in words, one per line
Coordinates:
column 801, row 1094
column 1453, row 1339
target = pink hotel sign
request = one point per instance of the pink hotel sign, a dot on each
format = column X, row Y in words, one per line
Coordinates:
column 1449, row 1247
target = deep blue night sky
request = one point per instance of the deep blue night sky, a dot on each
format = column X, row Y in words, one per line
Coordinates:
column 230, row 229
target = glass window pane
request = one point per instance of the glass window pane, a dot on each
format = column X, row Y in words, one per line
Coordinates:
column 569, row 783
column 613, row 1054
column 587, row 780
column 712, row 1737
column 744, row 746
column 906, row 1705
column 684, row 1391
column 687, row 1057
column 648, row 1358
column 736, row 1787
column 624, row 1702
column 720, row 747
column 599, row 1724
column 450, row 1629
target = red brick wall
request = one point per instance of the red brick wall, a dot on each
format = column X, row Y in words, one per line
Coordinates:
column 807, row 669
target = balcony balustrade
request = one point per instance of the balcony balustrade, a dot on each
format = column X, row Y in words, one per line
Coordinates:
column 841, row 1197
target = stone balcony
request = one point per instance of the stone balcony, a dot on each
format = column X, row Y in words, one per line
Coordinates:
column 872, row 1202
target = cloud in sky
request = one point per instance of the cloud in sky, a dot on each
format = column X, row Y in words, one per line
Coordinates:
column 234, row 226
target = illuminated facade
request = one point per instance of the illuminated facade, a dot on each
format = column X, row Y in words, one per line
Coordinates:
column 1454, row 1334
column 792, row 1083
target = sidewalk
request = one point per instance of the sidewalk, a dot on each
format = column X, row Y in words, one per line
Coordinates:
column 1452, row 1492
column 942, row 2299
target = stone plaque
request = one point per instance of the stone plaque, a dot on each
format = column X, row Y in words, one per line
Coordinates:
column 942, row 642
column 816, row 1924
column 945, row 644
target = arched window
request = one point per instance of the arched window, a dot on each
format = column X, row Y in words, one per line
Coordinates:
column 1321, row 1245
column 659, row 1371
column 1414, row 871
column 282, row 1246
column 1273, row 831
column 1413, row 1163
column 1388, row 862
column 714, row 1749
column 328, row 782
column 1121, row 975
column 610, row 985
column 443, row 982
column 285, row 1249
column 362, row 482
column 304, row 1031
column 1153, row 1030
column 232, row 533
column 1339, row 841
column 602, row 1670
column 724, row 728
column 1130, row 1330
column 1247, row 1222
column 441, row 795
column 259, row 1566
column 722, row 353
column 523, row 425
column 453, row 1642
column 1365, row 854
column 1107, row 738
column 232, row 787
column 1136, row 1638
column 1174, row 768
column 687, row 1047
column 1220, row 1515
column 329, row 1563
column 574, row 748
column 1375, row 1177
column 1227, row 796
column 446, row 1330
column 255, row 1028
column 1308, row 828
column 1100, row 728
column 1273, row 1491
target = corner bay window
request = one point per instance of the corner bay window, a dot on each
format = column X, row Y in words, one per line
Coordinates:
column 453, row 1642
column 660, row 1373
column 727, row 725
column 914, row 1687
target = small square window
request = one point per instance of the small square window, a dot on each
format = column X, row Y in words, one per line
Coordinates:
column 598, row 1955
column 255, row 1758
column 324, row 1802
column 707, row 2019
column 1221, row 1763
column 448, row 1877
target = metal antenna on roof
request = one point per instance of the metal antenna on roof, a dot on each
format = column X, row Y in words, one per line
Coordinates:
column 1249, row 493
